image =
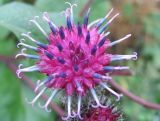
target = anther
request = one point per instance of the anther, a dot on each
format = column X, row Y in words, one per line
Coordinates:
column 59, row 46
column 62, row 75
column 75, row 67
column 51, row 24
column 44, row 46
column 94, row 49
column 79, row 28
column 86, row 18
column 99, row 76
column 49, row 55
column 102, row 41
column 60, row 60
column 61, row 33
column 87, row 38
column 69, row 24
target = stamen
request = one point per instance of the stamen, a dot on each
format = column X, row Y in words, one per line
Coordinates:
column 87, row 38
column 37, row 97
column 75, row 67
column 69, row 115
column 44, row 82
column 26, row 55
column 49, row 55
column 99, row 76
column 61, row 33
column 111, row 68
column 38, row 26
column 124, row 57
column 112, row 91
column 119, row 40
column 106, row 34
column 104, row 19
column 69, row 24
column 102, row 41
column 60, row 60
column 79, row 28
column 52, row 26
column 27, row 35
column 59, row 46
column 93, row 23
column 49, row 101
column 71, row 10
column 26, row 45
column 28, row 69
column 96, row 99
column 106, row 25
column 86, row 18
column 62, row 75
column 43, row 46
column 93, row 50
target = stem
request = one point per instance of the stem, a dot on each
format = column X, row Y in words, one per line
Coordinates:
column 135, row 98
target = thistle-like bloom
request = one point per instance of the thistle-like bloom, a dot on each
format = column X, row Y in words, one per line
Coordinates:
column 74, row 59
column 102, row 114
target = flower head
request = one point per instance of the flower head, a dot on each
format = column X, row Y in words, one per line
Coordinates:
column 74, row 59
column 101, row 114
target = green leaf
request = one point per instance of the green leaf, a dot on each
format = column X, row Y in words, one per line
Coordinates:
column 51, row 5
column 16, row 18
column 3, row 33
column 7, row 47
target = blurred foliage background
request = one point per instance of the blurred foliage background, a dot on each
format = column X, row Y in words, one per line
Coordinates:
column 141, row 18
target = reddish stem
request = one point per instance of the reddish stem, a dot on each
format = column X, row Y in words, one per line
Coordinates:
column 134, row 97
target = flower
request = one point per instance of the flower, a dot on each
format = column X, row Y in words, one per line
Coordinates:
column 74, row 59
column 102, row 114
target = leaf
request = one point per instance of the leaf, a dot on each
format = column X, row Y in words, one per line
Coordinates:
column 51, row 5
column 7, row 47
column 16, row 20
column 3, row 33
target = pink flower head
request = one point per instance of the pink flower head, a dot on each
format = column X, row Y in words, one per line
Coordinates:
column 102, row 114
column 74, row 59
